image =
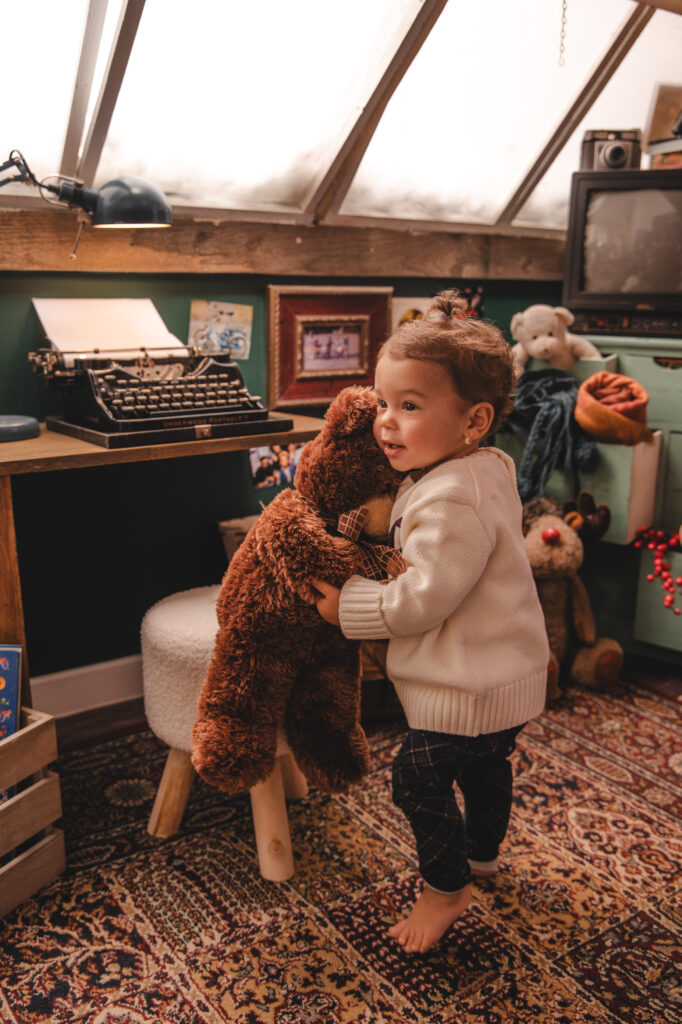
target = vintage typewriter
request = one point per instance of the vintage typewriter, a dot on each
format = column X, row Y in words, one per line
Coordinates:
column 136, row 383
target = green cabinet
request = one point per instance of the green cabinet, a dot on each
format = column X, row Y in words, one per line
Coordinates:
column 654, row 623
column 657, row 364
column 642, row 485
column 624, row 479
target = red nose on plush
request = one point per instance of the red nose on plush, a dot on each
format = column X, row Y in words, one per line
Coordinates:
column 551, row 536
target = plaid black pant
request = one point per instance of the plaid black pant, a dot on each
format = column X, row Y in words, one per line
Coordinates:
column 424, row 770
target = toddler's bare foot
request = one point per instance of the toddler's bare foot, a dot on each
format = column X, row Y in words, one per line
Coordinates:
column 430, row 917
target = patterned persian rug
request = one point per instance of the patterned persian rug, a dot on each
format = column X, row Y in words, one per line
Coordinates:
column 582, row 924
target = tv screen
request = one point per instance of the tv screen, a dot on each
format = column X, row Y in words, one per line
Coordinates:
column 623, row 270
column 633, row 241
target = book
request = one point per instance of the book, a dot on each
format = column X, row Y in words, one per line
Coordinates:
column 10, row 696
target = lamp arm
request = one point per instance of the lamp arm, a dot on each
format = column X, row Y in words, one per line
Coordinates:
column 69, row 191
column 25, row 172
column 17, row 159
column 124, row 201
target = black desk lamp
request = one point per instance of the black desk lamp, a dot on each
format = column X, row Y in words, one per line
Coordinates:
column 122, row 203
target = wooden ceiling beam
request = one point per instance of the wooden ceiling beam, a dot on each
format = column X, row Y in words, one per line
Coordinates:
column 42, row 241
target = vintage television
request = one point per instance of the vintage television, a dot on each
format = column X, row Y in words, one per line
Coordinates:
column 623, row 269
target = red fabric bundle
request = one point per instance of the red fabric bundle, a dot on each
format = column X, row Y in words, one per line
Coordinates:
column 612, row 408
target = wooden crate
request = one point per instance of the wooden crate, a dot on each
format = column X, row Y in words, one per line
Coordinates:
column 33, row 850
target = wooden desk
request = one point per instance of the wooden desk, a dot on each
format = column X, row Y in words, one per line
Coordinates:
column 53, row 451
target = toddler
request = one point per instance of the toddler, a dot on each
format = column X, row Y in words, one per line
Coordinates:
column 468, row 649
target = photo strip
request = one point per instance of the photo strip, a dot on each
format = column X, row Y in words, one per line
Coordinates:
column 274, row 465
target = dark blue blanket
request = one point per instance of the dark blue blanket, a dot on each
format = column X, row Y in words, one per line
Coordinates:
column 543, row 419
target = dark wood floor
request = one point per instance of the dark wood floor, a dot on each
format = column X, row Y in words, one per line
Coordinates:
column 89, row 728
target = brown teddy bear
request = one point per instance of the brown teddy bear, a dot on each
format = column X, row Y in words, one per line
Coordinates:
column 556, row 553
column 276, row 662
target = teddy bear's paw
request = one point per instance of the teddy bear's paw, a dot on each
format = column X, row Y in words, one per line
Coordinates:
column 233, row 776
column 598, row 666
column 340, row 762
column 232, row 756
column 608, row 665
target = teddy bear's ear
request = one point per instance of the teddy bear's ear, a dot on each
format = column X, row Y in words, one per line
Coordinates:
column 564, row 314
column 515, row 325
column 352, row 411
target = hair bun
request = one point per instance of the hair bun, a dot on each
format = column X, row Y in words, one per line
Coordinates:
column 447, row 305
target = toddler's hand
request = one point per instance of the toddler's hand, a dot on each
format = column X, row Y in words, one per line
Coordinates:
column 328, row 602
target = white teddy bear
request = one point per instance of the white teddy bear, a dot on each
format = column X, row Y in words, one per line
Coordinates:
column 540, row 333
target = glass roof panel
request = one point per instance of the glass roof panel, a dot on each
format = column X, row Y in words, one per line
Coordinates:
column 39, row 52
column 244, row 105
column 239, row 104
column 477, row 106
column 656, row 57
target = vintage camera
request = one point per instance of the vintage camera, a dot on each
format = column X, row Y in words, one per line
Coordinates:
column 611, row 151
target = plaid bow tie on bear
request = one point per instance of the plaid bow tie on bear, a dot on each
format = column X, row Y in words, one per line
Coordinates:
column 379, row 561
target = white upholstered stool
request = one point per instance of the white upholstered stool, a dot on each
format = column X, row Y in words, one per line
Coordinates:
column 177, row 635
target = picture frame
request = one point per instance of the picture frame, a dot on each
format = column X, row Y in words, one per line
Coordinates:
column 403, row 309
column 222, row 328
column 321, row 339
column 664, row 108
column 413, row 308
column 274, row 465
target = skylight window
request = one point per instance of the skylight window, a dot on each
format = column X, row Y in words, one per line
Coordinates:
column 245, row 104
column 624, row 104
column 40, row 50
column 234, row 108
column 477, row 106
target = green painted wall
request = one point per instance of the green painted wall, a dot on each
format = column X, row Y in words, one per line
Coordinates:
column 98, row 546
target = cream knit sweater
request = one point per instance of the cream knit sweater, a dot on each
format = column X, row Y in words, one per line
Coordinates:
column 468, row 649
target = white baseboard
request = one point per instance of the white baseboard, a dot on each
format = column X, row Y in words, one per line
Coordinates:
column 91, row 686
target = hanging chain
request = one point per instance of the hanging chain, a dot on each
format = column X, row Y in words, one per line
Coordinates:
column 562, row 34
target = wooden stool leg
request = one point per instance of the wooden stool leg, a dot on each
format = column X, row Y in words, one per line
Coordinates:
column 295, row 782
column 172, row 794
column 271, row 827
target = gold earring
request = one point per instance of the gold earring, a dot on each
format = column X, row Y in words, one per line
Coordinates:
column 467, row 439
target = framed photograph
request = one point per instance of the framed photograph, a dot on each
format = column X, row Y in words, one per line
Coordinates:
column 274, row 465
column 322, row 339
column 664, row 110
column 220, row 328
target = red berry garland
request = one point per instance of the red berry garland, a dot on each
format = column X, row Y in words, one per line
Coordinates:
column 659, row 543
